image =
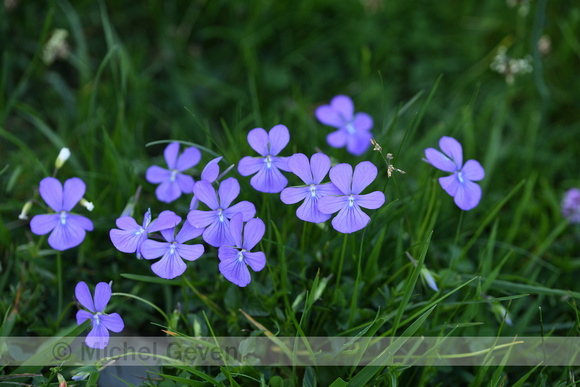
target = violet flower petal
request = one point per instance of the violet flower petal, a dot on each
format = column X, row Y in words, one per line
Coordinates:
column 440, row 161
column 372, row 201
column 236, row 225
column 247, row 209
column 188, row 232
column 185, row 183
column 218, row 233
column 331, row 204
column 257, row 260
column 170, row 154
column 328, row 116
column 278, row 139
column 292, row 195
column 153, row 249
column 472, row 170
column 51, row 191
column 112, row 322
column 43, row 224
column 362, row 122
column 343, row 105
column 98, row 337
column 102, row 296
column 190, row 252
column 452, row 148
column 269, row 180
column 258, row 140
column 250, row 165
column 83, row 295
column 320, row 165
column 358, row 143
column 82, row 316
column 166, row 219
column 450, row 184
column 201, row 219
column 341, row 176
column 156, row 174
column 232, row 268
column 229, row 190
column 168, row 191
column 364, row 174
column 206, row 194
column 253, row 232
column 337, row 139
column 212, row 170
column 189, row 158
column 309, row 211
column 300, row 166
column 468, row 195
column 350, row 219
column 74, row 190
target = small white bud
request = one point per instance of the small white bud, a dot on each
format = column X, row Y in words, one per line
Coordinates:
column 24, row 214
column 62, row 157
column 88, row 205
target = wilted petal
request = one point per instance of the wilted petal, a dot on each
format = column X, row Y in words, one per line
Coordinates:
column 450, row 184
column 102, row 296
column 250, row 165
column 253, row 233
column 170, row 154
column 341, row 176
column 156, row 175
column 472, row 170
column 83, row 295
column 189, row 252
column 228, row 191
column 236, row 225
column 293, row 195
column 212, row 170
column 362, row 122
column 185, row 183
column 188, row 158
column 152, row 249
column 98, row 337
column 43, row 224
column 188, row 232
column 320, row 164
column 51, row 191
column 247, row 209
column 343, row 105
column 278, row 138
column 371, row 201
column 232, row 268
column 269, row 180
column 82, row 316
column 168, row 191
column 328, row 116
column 309, row 211
column 112, row 322
column 331, row 204
column 258, row 140
column 169, row 267
column 364, row 174
column 452, row 148
column 167, row 219
column 337, row 139
column 468, row 195
column 206, row 193
column 299, row 165
column 218, row 233
column 202, row 219
column 358, row 143
column 74, row 190
column 440, row 161
column 257, row 260
column 350, row 219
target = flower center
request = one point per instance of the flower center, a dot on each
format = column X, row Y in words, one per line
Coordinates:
column 240, row 256
column 268, row 161
column 173, row 174
column 172, row 249
column 220, row 214
column 313, row 190
column 63, row 217
column 140, row 231
column 350, row 128
column 460, row 177
column 96, row 319
column 350, row 200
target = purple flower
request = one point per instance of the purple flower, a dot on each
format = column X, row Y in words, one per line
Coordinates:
column 571, row 205
column 102, row 323
column 350, row 217
column 173, row 183
column 311, row 173
column 68, row 230
column 234, row 259
column 217, row 220
column 354, row 130
column 460, row 184
column 131, row 236
column 210, row 173
column 174, row 251
column 268, row 177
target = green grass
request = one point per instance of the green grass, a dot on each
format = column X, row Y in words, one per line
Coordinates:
column 140, row 74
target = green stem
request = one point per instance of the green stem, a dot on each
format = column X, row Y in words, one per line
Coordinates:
column 145, row 302
column 457, row 232
column 341, row 262
column 59, row 280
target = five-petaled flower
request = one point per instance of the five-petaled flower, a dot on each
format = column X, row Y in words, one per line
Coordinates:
column 68, row 230
column 131, row 236
column 174, row 251
column 571, row 205
column 173, row 182
column 460, row 184
column 234, row 260
column 268, row 177
column 354, row 130
column 102, row 323
column 217, row 219
column 210, row 174
column 350, row 217
column 312, row 173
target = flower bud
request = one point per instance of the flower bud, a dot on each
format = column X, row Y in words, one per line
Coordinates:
column 62, row 157
column 88, row 205
column 24, row 214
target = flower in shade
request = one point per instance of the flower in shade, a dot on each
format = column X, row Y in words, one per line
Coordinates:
column 210, row 174
column 354, row 130
column 131, row 235
column 174, row 251
column 460, row 184
column 350, row 217
column 173, row 182
column 102, row 323
column 312, row 173
column 217, row 219
column 268, row 177
column 68, row 230
column 571, row 205
column 234, row 260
